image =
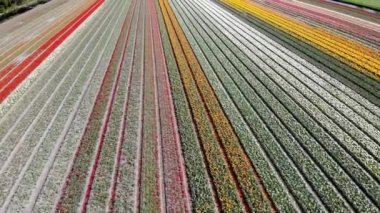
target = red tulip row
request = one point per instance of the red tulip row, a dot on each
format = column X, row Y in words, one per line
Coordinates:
column 13, row 75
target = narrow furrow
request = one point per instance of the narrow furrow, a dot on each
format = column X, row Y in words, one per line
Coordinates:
column 121, row 140
column 102, row 179
column 149, row 183
column 326, row 92
column 54, row 173
column 76, row 179
column 174, row 179
column 141, row 199
column 40, row 95
column 365, row 86
column 202, row 191
column 19, row 153
column 336, row 104
column 190, row 106
column 31, row 163
column 25, row 173
column 254, row 196
column 59, row 56
column 351, row 99
column 219, row 175
column 103, row 155
column 248, row 66
column 125, row 197
column 290, row 93
column 329, row 125
column 298, row 185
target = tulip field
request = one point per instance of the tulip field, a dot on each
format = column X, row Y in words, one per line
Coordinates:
column 191, row 106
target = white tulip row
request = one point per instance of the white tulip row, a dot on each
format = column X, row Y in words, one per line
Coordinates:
column 51, row 102
column 301, row 99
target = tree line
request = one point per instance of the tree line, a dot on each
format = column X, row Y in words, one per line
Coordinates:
column 5, row 4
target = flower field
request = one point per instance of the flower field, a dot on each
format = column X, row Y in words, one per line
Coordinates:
column 191, row 106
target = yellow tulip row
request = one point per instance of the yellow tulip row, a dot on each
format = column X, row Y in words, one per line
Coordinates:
column 235, row 180
column 356, row 54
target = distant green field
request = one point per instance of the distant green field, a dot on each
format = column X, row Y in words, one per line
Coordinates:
column 375, row 4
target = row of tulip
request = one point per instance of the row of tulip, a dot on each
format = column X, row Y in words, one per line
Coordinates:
column 359, row 56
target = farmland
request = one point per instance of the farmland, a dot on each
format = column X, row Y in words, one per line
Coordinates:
column 190, row 106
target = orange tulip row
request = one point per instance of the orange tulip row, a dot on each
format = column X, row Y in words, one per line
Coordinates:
column 233, row 175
